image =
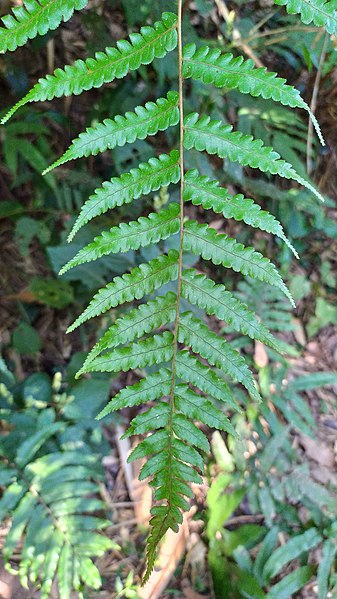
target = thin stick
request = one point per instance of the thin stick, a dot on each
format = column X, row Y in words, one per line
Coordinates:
column 313, row 103
column 224, row 12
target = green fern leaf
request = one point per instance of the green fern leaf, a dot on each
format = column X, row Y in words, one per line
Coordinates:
column 154, row 418
column 221, row 249
column 35, row 18
column 224, row 70
column 140, row 281
column 201, row 409
column 114, row 63
column 216, row 351
column 154, row 350
column 214, row 299
column 191, row 370
column 153, row 387
column 217, row 138
column 131, row 236
column 149, row 176
column 141, row 320
column 145, row 120
column 202, row 191
column 322, row 13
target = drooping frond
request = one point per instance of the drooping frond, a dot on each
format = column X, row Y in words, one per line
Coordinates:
column 224, row 70
column 184, row 384
column 136, row 323
column 202, row 191
column 322, row 13
column 149, row 176
column 145, row 120
column 214, row 299
column 194, row 333
column 140, row 281
column 114, row 63
column 35, row 17
column 221, row 249
column 131, row 236
column 154, row 350
column 216, row 138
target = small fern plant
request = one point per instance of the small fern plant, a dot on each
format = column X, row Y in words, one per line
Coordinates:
column 189, row 361
column 52, row 489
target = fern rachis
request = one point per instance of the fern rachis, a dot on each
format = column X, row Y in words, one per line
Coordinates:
column 159, row 332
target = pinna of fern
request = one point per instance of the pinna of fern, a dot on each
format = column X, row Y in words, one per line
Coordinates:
column 192, row 362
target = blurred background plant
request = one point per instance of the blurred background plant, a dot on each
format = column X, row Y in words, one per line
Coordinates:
column 270, row 509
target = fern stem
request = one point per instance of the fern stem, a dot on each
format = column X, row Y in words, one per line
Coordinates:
column 181, row 218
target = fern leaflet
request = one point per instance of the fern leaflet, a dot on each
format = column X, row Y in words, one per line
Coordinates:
column 322, row 13
column 201, row 191
column 35, row 18
column 140, row 281
column 149, row 176
column 114, row 63
column 217, row 138
column 130, row 236
column 224, row 70
column 221, row 249
column 146, row 120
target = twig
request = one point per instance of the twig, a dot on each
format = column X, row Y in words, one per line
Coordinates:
column 244, row 518
column 313, row 103
column 224, row 13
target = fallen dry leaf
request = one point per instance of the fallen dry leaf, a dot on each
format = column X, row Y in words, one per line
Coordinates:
column 318, row 451
column 260, row 355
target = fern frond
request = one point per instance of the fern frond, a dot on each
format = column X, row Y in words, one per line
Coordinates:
column 154, row 350
column 191, row 370
column 149, row 176
column 214, row 299
column 145, row 120
column 141, row 281
column 221, row 249
column 48, row 511
column 141, row 320
column 154, row 386
column 216, row 138
column 114, row 63
column 322, row 13
column 35, row 18
column 194, row 333
column 202, row 191
column 209, row 65
column 130, row 236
